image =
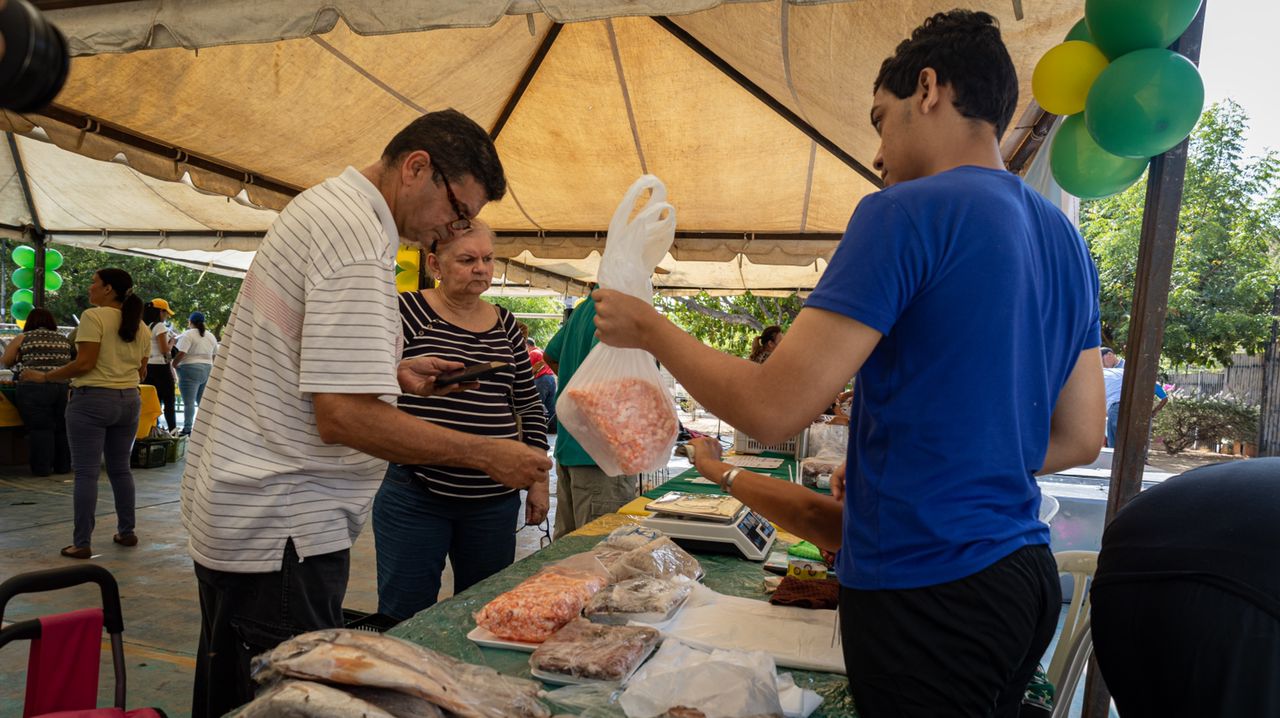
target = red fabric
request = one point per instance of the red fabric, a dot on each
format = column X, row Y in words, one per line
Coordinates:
column 62, row 672
column 535, row 356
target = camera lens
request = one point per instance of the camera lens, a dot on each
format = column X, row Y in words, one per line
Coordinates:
column 35, row 61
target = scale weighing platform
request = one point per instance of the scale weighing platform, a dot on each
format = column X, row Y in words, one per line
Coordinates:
column 712, row 523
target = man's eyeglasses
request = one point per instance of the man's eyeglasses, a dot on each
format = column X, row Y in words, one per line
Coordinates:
column 462, row 223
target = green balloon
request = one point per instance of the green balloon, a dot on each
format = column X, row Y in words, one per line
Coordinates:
column 1144, row 103
column 52, row 281
column 21, row 310
column 1086, row 170
column 24, row 256
column 24, row 295
column 52, row 259
column 1119, row 27
column 24, row 277
column 1079, row 31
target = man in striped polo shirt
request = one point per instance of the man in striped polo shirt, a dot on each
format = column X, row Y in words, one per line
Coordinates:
column 299, row 418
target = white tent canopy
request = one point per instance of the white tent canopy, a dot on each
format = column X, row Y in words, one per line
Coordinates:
column 753, row 113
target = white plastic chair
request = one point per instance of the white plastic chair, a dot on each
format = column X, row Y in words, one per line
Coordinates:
column 1075, row 645
column 1049, row 507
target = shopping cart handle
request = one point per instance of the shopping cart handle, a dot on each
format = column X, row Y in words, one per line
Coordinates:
column 58, row 578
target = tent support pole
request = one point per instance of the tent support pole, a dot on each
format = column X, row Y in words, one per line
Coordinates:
column 1032, row 143
column 545, row 274
column 87, row 123
column 34, row 233
column 1146, row 334
column 769, row 100
column 543, row 48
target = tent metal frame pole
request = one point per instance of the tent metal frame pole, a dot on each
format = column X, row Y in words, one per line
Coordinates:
column 534, row 64
column 23, row 182
column 1146, row 333
column 1269, row 423
column 35, row 232
column 548, row 274
column 1032, row 143
column 727, row 235
column 769, row 100
column 88, row 123
column 47, row 5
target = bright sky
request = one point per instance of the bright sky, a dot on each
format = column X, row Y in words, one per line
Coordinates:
column 1238, row 61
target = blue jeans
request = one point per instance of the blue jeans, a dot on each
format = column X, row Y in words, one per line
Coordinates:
column 546, row 386
column 102, row 422
column 191, row 381
column 1113, row 421
column 414, row 529
column 43, row 408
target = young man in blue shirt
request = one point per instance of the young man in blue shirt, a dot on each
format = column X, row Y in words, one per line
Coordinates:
column 950, row 594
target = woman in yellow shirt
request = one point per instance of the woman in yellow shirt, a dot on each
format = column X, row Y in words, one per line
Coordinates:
column 112, row 345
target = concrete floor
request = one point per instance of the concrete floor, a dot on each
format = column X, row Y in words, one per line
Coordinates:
column 157, row 583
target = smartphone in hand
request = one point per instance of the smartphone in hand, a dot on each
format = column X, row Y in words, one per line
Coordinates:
column 471, row 373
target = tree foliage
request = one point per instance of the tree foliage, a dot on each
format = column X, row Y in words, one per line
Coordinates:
column 186, row 289
column 540, row 330
column 1225, row 265
column 729, row 323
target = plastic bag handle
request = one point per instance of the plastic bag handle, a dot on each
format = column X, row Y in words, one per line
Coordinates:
column 637, row 244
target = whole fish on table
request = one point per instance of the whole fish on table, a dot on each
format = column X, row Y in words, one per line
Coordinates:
column 304, row 699
column 357, row 658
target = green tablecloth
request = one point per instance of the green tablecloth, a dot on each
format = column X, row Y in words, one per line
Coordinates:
column 684, row 480
column 444, row 626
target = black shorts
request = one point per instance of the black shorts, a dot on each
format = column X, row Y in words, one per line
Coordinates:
column 964, row 648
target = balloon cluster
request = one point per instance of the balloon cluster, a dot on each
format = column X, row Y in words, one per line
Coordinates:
column 25, row 277
column 407, row 260
column 1126, row 97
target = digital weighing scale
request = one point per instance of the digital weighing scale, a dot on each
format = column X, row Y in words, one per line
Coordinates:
column 724, row 525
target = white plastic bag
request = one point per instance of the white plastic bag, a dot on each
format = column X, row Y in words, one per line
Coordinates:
column 616, row 405
column 721, row 684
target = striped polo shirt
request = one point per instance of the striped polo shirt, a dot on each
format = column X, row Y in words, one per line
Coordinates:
column 316, row 313
column 492, row 409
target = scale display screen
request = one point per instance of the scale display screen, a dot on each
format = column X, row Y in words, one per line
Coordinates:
column 756, row 530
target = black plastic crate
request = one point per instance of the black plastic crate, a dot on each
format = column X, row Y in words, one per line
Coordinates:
column 149, row 453
column 372, row 622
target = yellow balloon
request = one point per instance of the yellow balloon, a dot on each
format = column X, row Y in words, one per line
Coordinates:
column 406, row 281
column 407, row 258
column 1062, row 78
column 22, row 323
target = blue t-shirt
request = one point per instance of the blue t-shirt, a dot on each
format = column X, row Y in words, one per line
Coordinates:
column 986, row 295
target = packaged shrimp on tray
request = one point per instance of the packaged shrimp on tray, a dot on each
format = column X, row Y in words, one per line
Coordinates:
column 543, row 603
column 616, row 405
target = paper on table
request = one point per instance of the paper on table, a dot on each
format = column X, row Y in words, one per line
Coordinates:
column 753, row 462
column 795, row 637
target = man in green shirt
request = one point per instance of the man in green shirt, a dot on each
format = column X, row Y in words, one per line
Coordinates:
column 583, row 492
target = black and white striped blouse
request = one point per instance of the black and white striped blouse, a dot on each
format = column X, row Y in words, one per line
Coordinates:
column 505, row 405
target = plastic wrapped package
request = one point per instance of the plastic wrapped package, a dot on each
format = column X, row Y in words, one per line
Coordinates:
column 616, row 404
column 815, row 472
column 630, row 418
column 644, row 599
column 661, row 558
column 357, row 658
column 629, row 537
column 540, row 605
column 583, row 649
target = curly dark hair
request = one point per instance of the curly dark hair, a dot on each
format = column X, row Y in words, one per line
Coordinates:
column 964, row 48
column 458, row 147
